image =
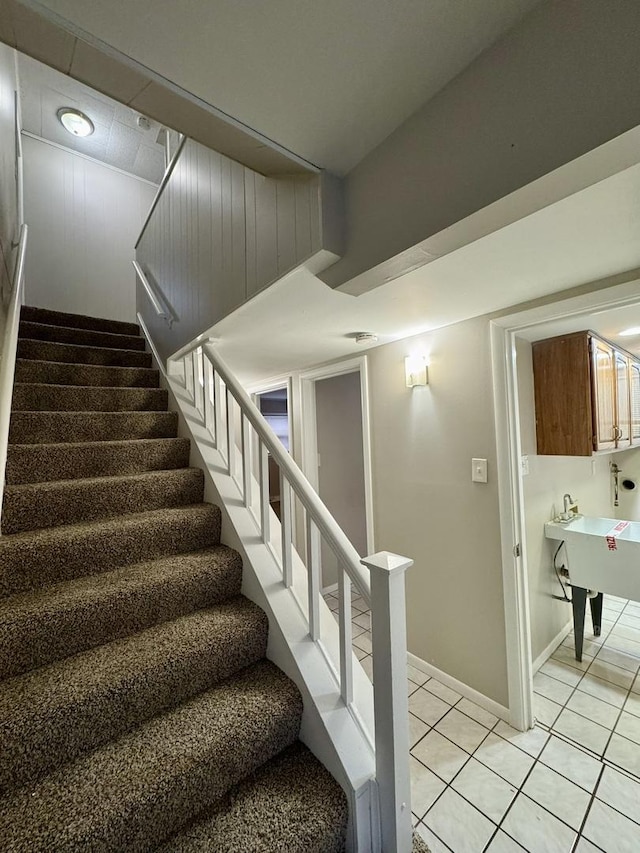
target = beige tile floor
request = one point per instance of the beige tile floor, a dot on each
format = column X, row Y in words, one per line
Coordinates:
column 570, row 785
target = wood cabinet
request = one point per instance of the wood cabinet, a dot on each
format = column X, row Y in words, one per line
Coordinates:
column 587, row 395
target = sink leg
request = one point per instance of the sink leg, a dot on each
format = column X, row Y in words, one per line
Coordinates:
column 579, row 604
column 596, row 613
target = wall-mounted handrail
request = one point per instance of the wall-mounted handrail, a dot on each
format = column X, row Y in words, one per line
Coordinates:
column 163, row 183
column 158, row 307
column 218, row 399
column 9, row 351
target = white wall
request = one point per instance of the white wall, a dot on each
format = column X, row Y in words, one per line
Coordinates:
column 586, row 479
column 426, row 507
column 629, row 463
column 9, row 225
column 84, row 219
column 341, row 470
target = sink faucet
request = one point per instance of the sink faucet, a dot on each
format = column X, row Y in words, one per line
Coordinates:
column 569, row 504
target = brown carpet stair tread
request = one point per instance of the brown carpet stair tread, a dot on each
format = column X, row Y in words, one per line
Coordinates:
column 53, row 554
column 43, row 397
column 55, row 427
column 90, row 337
column 65, row 373
column 75, row 354
column 132, row 793
column 37, row 463
column 39, row 505
column 77, row 321
column 290, row 805
column 43, row 625
column 54, row 714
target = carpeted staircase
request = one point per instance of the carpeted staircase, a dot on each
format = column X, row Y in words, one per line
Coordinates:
column 137, row 709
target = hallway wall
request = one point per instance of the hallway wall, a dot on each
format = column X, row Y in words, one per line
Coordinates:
column 84, row 219
column 9, row 225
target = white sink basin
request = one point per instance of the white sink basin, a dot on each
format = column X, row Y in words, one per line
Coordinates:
column 601, row 553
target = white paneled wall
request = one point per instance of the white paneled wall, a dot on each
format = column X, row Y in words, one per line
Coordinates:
column 84, row 219
column 220, row 233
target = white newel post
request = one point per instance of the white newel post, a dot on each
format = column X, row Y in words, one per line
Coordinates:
column 391, row 704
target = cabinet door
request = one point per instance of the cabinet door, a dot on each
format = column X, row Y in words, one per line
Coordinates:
column 623, row 400
column 604, row 392
column 635, row 402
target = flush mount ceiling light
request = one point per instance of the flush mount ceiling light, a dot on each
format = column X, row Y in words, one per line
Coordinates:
column 75, row 122
column 627, row 333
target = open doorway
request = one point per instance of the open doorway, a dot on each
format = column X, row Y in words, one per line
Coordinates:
column 275, row 407
column 581, row 700
column 336, row 453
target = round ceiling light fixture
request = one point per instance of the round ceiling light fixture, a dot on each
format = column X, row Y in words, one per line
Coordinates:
column 75, row 122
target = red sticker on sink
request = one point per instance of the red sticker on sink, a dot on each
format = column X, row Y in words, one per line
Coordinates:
column 610, row 538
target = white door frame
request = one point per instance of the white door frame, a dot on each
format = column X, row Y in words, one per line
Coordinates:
column 308, row 378
column 614, row 293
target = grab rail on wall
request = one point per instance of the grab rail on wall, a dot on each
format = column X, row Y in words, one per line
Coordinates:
column 158, row 307
column 236, row 427
column 9, row 351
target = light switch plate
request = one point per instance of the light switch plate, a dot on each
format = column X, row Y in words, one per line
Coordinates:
column 479, row 470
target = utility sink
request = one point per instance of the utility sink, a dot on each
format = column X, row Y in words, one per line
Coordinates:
column 601, row 554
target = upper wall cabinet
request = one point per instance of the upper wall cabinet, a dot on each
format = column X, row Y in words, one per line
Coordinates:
column 587, row 395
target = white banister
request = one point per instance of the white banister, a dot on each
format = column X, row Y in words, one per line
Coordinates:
column 9, row 350
column 391, row 704
column 160, row 309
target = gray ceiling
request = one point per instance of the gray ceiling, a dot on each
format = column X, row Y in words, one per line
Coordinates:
column 117, row 140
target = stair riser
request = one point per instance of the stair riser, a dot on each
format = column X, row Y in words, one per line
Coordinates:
column 49, row 351
column 77, row 321
column 56, row 427
column 52, row 504
column 37, row 463
column 80, row 337
column 115, row 605
column 59, row 373
column 64, row 398
column 121, row 686
column 62, row 553
column 133, row 794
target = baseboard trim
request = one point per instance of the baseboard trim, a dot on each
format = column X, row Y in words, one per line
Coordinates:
column 468, row 692
column 544, row 656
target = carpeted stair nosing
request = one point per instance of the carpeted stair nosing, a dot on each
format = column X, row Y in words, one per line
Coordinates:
column 132, row 793
column 81, row 354
column 52, row 715
column 77, row 321
column 91, row 337
column 95, row 375
column 39, row 397
column 50, row 427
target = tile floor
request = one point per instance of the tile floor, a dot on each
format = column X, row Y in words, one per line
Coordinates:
column 570, row 785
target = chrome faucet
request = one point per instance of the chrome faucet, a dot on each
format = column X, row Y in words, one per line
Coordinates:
column 569, row 504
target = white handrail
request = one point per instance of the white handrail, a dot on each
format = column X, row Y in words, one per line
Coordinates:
column 160, row 310
column 309, row 498
column 9, row 351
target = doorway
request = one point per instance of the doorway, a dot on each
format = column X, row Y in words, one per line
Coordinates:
column 274, row 406
column 336, row 453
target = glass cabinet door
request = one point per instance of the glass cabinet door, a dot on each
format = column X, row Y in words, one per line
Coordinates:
column 604, row 388
column 623, row 401
column 635, row 402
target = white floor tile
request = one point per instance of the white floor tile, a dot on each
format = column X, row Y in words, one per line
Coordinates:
column 502, row 843
column 584, row 846
column 624, row 753
column 561, row 672
column 620, row 792
column 546, row 711
column 536, row 829
column 621, row 659
column 425, row 788
column 582, row 731
column 590, row 646
column 567, row 655
column 551, row 688
column 627, row 632
column 442, row 692
column 635, row 687
column 629, row 726
column 624, row 645
column 417, row 729
column 433, row 842
column 571, row 762
column 610, row 672
column 504, row 759
column 558, row 795
column 484, row 789
column 359, row 653
column 363, row 641
column 611, row 831
column 477, row 713
column 594, row 709
column 416, row 676
column 427, row 706
column 462, row 730
column 632, row 705
column 356, row 630
column 364, row 620
column 604, row 690
column 441, row 756
column 459, row 824
column 367, row 665
column 629, row 619
column 532, row 741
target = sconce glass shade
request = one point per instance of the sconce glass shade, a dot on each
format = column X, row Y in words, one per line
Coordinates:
column 416, row 370
column 75, row 122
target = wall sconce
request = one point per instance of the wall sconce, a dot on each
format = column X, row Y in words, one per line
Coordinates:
column 416, row 370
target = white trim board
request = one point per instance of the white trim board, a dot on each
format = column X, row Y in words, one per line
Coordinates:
column 545, row 654
column 468, row 692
